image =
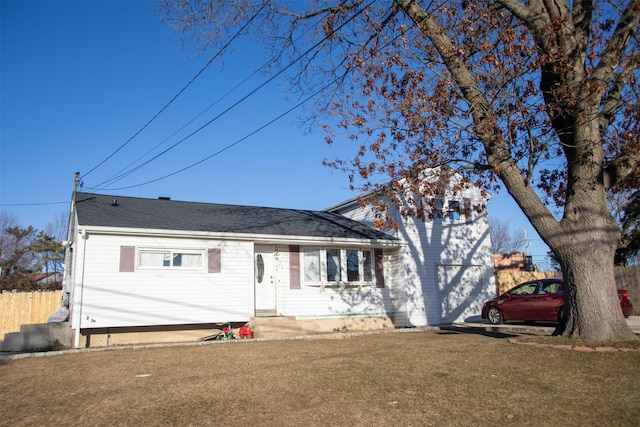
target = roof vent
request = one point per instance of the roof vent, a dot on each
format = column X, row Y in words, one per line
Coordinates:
column 114, row 202
column 164, row 198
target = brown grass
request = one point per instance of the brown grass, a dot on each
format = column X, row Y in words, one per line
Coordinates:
column 458, row 378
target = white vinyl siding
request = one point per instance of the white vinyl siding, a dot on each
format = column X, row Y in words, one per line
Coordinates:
column 164, row 295
column 434, row 294
column 335, row 299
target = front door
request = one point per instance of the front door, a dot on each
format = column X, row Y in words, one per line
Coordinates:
column 266, row 279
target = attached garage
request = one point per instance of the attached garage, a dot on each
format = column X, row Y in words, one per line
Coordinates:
column 460, row 290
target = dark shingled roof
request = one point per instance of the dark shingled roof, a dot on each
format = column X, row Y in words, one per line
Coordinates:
column 133, row 212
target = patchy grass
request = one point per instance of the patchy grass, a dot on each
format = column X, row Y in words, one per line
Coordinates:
column 577, row 342
column 459, row 377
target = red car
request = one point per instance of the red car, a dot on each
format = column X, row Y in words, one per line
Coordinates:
column 538, row 300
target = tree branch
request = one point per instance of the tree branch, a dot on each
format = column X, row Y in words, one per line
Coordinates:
column 610, row 60
column 482, row 113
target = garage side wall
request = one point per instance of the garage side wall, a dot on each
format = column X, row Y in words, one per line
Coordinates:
column 447, row 263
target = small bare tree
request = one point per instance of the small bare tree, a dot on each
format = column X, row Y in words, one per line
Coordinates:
column 503, row 241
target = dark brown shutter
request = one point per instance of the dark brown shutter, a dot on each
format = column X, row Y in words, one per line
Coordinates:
column 127, row 259
column 294, row 267
column 215, row 260
column 379, row 267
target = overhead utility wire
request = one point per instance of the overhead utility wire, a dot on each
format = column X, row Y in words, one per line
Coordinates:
column 179, row 93
column 123, row 173
column 269, row 123
column 33, row 204
column 269, row 80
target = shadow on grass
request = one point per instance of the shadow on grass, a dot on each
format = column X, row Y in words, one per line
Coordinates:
column 454, row 330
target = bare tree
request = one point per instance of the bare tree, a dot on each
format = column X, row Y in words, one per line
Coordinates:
column 58, row 227
column 503, row 241
column 537, row 96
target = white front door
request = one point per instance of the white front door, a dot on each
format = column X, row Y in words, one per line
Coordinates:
column 266, row 278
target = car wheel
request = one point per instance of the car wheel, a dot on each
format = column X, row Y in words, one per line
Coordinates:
column 494, row 315
column 560, row 314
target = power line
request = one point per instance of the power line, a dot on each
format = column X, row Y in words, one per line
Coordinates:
column 234, row 105
column 123, row 173
column 269, row 123
column 33, row 204
column 218, row 53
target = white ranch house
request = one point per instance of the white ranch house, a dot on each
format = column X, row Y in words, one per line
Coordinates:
column 141, row 270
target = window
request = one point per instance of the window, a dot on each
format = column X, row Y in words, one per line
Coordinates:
column 550, row 288
column 155, row 259
column 353, row 266
column 259, row 268
column 454, row 210
column 166, row 258
column 445, row 209
column 367, row 266
column 525, row 289
column 311, row 265
column 186, row 260
column 336, row 265
column 439, row 214
column 334, row 273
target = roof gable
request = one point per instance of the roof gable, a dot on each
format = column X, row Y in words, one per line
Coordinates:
column 162, row 214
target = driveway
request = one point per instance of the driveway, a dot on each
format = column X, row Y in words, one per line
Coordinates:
column 632, row 321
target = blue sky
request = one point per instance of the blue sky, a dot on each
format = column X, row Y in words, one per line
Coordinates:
column 80, row 78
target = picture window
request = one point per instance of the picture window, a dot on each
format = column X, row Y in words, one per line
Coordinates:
column 170, row 259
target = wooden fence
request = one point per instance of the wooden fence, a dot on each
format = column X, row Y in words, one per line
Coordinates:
column 21, row 308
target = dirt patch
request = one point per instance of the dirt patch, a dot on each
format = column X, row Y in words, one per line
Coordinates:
column 403, row 379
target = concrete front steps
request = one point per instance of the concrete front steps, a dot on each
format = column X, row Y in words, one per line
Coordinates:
column 289, row 326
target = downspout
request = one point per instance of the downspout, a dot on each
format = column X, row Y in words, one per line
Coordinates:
column 78, row 299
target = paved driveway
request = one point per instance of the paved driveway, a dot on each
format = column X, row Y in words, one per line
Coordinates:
column 632, row 321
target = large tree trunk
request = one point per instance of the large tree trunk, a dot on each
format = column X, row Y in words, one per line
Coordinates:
column 594, row 313
column 585, row 247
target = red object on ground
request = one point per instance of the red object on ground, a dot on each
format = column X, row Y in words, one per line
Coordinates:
column 245, row 332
